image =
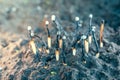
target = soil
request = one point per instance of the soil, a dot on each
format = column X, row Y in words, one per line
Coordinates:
column 17, row 60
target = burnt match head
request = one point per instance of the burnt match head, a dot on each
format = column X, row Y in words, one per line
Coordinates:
column 64, row 37
column 47, row 23
column 90, row 16
column 53, row 18
column 29, row 28
column 77, row 19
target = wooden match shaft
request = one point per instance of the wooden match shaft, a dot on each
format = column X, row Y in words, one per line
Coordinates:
column 90, row 39
column 49, row 42
column 57, row 53
column 33, row 46
column 86, row 45
column 60, row 43
column 74, row 51
column 101, row 33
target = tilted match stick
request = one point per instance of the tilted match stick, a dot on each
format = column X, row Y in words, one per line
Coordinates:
column 101, row 33
column 95, row 41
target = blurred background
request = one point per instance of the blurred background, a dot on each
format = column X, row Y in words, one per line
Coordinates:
column 16, row 15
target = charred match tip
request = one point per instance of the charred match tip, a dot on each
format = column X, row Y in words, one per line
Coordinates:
column 47, row 23
column 90, row 15
column 102, row 21
column 29, row 28
column 77, row 19
column 53, row 17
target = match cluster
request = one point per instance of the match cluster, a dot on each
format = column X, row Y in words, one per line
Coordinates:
column 85, row 40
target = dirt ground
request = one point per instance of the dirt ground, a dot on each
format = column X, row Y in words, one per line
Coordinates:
column 17, row 61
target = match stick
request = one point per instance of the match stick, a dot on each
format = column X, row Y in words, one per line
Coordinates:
column 49, row 37
column 90, row 16
column 60, row 42
column 32, row 44
column 90, row 24
column 101, row 33
column 83, row 37
column 55, row 21
column 57, row 53
column 74, row 51
column 77, row 22
column 49, row 41
column 95, row 41
column 90, row 39
column 86, row 44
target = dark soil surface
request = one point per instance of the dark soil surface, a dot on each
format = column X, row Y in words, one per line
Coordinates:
column 17, row 60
